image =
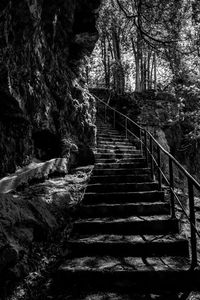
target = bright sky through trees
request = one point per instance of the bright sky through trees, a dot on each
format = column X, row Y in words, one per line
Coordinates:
column 146, row 45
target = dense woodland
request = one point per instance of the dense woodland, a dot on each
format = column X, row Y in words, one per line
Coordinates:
column 144, row 45
column 147, row 45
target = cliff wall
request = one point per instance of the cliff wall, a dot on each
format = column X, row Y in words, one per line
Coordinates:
column 44, row 108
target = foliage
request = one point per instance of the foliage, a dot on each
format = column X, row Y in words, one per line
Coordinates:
column 150, row 45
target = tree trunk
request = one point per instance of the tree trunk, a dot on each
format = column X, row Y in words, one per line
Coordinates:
column 137, row 67
column 118, row 73
column 145, row 72
column 155, row 72
column 142, row 73
column 149, row 70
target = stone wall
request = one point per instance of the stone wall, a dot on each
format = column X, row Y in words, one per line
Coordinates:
column 44, row 106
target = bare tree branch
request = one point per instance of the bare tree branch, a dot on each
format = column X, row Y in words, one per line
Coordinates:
column 139, row 25
column 125, row 11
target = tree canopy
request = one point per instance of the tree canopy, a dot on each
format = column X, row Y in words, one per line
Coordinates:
column 145, row 45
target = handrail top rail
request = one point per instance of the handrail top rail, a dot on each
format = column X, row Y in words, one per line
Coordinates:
column 118, row 112
column 188, row 175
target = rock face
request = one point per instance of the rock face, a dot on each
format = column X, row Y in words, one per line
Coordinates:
column 43, row 103
column 32, row 215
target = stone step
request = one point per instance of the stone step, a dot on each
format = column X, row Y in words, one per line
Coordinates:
column 109, row 134
column 127, row 226
column 120, row 172
column 121, row 165
column 123, row 197
column 121, row 187
column 115, row 143
column 112, row 139
column 116, row 147
column 120, row 178
column 120, row 160
column 123, row 210
column 107, row 126
column 123, row 238
column 109, row 131
column 103, row 124
column 134, row 245
column 118, row 155
column 130, row 273
column 136, row 156
column 117, row 151
column 83, row 294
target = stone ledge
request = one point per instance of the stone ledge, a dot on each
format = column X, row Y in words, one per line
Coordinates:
column 35, row 170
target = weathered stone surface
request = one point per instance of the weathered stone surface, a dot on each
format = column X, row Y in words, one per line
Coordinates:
column 35, row 212
column 43, row 99
column 34, row 172
column 106, row 264
column 125, row 296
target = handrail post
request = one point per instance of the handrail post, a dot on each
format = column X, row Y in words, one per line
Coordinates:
column 126, row 128
column 145, row 146
column 114, row 119
column 97, row 108
column 171, row 180
column 151, row 158
column 140, row 137
column 159, row 169
column 192, row 224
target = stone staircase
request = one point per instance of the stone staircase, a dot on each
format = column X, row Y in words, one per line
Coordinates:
column 123, row 238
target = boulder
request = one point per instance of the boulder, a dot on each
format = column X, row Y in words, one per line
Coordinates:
column 33, row 215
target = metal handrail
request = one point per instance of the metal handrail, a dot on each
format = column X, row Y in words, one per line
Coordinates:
column 148, row 151
column 196, row 184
